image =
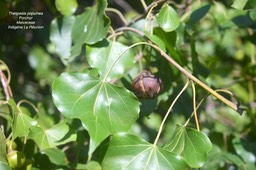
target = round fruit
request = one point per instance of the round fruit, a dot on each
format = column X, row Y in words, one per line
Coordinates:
column 16, row 159
column 146, row 85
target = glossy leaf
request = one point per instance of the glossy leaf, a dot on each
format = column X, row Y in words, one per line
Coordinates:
column 65, row 7
column 168, row 19
column 104, row 54
column 48, row 138
column 239, row 4
column 21, row 122
column 90, row 27
column 60, row 36
column 2, row 147
column 129, row 152
column 102, row 107
column 191, row 144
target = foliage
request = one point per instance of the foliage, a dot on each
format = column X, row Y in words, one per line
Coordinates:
column 66, row 94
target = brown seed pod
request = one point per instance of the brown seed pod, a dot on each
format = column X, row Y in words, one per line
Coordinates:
column 146, row 85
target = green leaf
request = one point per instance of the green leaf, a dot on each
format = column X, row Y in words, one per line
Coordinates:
column 169, row 39
column 252, row 14
column 245, row 150
column 2, row 147
column 234, row 159
column 56, row 156
column 90, row 27
column 239, row 4
column 168, row 19
column 155, row 39
column 92, row 165
column 198, row 14
column 48, row 138
column 43, row 64
column 129, row 152
column 43, row 118
column 21, row 122
column 104, row 54
column 65, row 7
column 191, row 144
column 4, row 166
column 60, row 36
column 102, row 107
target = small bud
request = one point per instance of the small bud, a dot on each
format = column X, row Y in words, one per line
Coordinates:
column 146, row 85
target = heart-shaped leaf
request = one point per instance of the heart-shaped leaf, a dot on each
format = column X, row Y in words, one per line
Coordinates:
column 191, row 144
column 102, row 107
column 103, row 55
column 90, row 27
column 129, row 152
column 21, row 122
column 66, row 8
column 168, row 19
column 61, row 37
column 48, row 138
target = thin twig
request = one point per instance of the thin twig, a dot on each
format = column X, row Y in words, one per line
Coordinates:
column 144, row 5
column 130, row 29
column 194, row 106
column 168, row 112
column 123, row 19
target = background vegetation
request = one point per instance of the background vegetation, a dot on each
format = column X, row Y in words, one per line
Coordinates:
column 66, row 94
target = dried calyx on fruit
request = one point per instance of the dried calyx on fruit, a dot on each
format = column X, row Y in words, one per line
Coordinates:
column 146, row 85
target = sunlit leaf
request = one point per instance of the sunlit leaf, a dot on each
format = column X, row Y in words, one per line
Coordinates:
column 65, row 7
column 102, row 107
column 2, row 147
column 21, row 122
column 239, row 4
column 129, row 152
column 61, row 37
column 191, row 144
column 103, row 55
column 48, row 138
column 90, row 27
column 168, row 19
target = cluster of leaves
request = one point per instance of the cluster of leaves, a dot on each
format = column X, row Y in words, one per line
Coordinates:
column 85, row 70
